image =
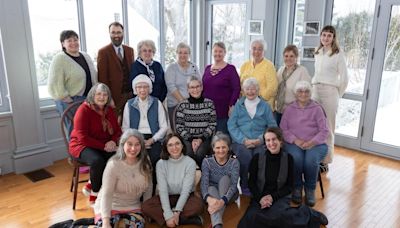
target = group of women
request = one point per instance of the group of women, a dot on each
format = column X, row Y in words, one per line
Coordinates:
column 206, row 113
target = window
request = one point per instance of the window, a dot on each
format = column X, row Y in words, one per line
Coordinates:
column 144, row 23
column 299, row 24
column 97, row 22
column 4, row 103
column 48, row 18
column 177, row 21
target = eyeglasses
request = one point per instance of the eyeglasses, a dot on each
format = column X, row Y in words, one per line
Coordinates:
column 195, row 87
column 142, row 87
column 116, row 33
column 174, row 144
column 147, row 50
column 303, row 91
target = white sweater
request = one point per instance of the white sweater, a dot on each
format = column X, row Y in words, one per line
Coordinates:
column 331, row 70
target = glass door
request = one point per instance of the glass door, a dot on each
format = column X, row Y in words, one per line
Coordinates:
column 383, row 105
column 227, row 23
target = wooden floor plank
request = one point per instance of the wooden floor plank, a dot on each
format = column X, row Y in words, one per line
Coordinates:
column 361, row 190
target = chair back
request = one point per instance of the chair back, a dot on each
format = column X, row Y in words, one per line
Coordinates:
column 68, row 117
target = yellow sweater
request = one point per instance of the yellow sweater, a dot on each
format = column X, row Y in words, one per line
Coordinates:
column 265, row 74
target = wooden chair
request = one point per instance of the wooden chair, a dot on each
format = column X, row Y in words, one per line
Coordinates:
column 321, row 185
column 68, row 117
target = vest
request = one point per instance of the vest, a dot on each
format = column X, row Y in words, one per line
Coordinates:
column 152, row 114
column 283, row 170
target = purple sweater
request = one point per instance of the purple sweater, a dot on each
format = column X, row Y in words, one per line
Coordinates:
column 308, row 123
column 223, row 88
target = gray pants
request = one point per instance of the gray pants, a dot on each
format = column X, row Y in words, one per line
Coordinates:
column 223, row 187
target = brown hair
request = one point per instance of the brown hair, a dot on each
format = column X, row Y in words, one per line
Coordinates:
column 291, row 48
column 116, row 24
column 65, row 35
column 220, row 44
column 277, row 131
column 335, row 43
column 164, row 155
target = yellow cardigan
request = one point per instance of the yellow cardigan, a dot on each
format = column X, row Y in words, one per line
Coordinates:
column 265, row 74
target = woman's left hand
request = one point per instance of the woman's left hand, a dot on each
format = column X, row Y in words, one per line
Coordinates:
column 148, row 143
column 110, row 146
column 266, row 201
column 308, row 145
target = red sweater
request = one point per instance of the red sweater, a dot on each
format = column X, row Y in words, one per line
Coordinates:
column 88, row 130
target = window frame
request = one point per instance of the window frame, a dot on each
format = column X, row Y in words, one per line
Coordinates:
column 5, row 97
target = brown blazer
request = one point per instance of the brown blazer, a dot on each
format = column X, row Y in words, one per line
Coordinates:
column 111, row 73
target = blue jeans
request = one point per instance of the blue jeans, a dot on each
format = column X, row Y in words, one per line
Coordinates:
column 61, row 106
column 222, row 125
column 245, row 155
column 306, row 162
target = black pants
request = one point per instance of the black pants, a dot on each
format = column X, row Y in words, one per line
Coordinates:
column 154, row 155
column 97, row 160
column 202, row 151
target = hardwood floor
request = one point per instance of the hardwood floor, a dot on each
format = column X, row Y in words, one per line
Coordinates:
column 361, row 190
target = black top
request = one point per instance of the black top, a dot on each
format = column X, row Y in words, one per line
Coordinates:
column 271, row 175
column 82, row 62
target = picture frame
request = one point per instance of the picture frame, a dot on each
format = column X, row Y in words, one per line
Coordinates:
column 307, row 53
column 311, row 28
column 256, row 27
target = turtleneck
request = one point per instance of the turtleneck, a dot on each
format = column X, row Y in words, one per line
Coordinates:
column 195, row 100
column 251, row 106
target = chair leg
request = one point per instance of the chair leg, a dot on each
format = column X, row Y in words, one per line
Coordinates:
column 72, row 180
column 321, row 185
column 76, row 180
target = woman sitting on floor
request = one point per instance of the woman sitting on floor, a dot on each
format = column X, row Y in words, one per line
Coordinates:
column 126, row 178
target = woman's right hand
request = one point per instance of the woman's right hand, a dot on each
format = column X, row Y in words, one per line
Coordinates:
column 106, row 223
column 67, row 99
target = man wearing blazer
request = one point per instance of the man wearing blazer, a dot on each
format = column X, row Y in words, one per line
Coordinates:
column 114, row 65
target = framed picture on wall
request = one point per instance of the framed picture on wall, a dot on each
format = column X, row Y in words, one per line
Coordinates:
column 307, row 53
column 311, row 28
column 256, row 27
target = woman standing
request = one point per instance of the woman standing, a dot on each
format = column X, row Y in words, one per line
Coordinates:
column 176, row 203
column 176, row 78
column 71, row 73
column 222, row 85
column 219, row 178
column 95, row 135
column 329, row 82
column 126, row 178
column 288, row 75
column 145, row 64
column 263, row 70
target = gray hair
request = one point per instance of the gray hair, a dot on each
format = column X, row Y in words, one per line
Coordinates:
column 219, row 136
column 192, row 79
column 120, row 154
column 220, row 44
column 182, row 45
column 259, row 41
column 148, row 43
column 98, row 86
column 251, row 82
column 303, row 85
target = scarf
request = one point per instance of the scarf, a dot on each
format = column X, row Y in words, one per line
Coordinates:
column 150, row 72
column 104, row 121
column 280, row 101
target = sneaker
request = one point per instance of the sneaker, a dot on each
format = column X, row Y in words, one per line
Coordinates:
column 87, row 189
column 310, row 197
column 246, row 192
column 218, row 226
column 92, row 198
column 319, row 217
column 323, row 167
column 297, row 195
column 195, row 220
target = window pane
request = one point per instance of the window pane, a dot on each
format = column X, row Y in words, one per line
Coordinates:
column 387, row 117
column 353, row 22
column 48, row 18
column 97, row 22
column 228, row 26
column 299, row 24
column 144, row 23
column 348, row 117
column 177, row 26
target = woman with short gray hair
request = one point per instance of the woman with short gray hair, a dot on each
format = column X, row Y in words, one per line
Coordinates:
column 261, row 69
column 176, row 77
column 250, row 117
column 145, row 64
column 95, row 135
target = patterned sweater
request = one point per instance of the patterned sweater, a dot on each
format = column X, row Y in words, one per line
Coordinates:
column 196, row 118
column 212, row 172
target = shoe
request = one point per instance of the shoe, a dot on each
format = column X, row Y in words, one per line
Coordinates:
column 84, row 169
column 323, row 167
column 64, row 224
column 297, row 195
column 195, row 220
column 87, row 189
column 92, row 198
column 319, row 217
column 83, row 222
column 310, row 197
column 218, row 226
column 246, row 192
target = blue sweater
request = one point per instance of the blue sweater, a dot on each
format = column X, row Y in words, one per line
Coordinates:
column 241, row 126
column 159, row 87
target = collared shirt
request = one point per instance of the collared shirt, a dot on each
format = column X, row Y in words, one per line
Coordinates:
column 144, row 126
column 116, row 50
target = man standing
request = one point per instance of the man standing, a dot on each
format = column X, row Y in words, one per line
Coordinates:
column 114, row 65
